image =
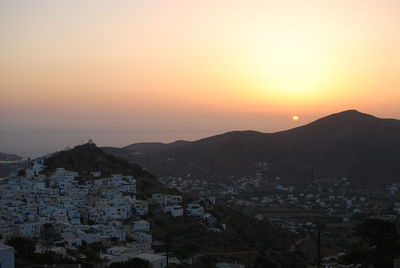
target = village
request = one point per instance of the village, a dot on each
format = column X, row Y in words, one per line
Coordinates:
column 64, row 213
column 298, row 208
column 101, row 209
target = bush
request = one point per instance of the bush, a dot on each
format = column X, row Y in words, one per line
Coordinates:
column 24, row 247
column 135, row 262
column 377, row 244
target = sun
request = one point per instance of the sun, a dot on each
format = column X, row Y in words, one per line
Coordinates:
column 295, row 118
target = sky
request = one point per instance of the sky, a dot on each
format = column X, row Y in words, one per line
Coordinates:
column 123, row 71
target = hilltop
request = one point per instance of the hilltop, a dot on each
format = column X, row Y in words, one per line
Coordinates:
column 9, row 157
column 351, row 144
column 88, row 157
column 147, row 147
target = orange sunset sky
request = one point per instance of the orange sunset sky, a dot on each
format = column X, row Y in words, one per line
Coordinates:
column 128, row 71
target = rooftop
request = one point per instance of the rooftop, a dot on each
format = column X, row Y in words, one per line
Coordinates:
column 3, row 246
column 150, row 257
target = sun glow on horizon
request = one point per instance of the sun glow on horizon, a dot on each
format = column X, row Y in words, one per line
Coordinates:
column 292, row 61
column 157, row 67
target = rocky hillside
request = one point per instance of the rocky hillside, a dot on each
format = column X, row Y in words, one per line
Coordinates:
column 88, row 157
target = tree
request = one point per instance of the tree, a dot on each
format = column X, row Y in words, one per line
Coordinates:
column 21, row 173
column 48, row 234
column 91, row 255
column 24, row 247
column 377, row 243
column 263, row 262
column 49, row 257
column 135, row 262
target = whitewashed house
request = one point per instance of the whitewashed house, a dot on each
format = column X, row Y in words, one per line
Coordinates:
column 96, row 174
column 110, row 231
column 194, row 210
column 115, row 180
column 7, row 231
column 72, row 239
column 30, row 229
column 141, row 225
column 128, row 187
column 141, row 236
column 172, row 199
column 157, row 198
column 140, row 207
column 176, row 211
column 75, row 219
column 89, row 236
column 140, row 245
column 6, row 256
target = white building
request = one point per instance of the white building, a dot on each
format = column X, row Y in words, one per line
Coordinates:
column 72, row 239
column 140, row 245
column 176, row 211
column 30, row 229
column 140, row 207
column 172, row 199
column 6, row 256
column 96, row 174
column 7, row 231
column 143, row 237
column 115, row 180
column 89, row 236
column 157, row 198
column 194, row 210
column 141, row 225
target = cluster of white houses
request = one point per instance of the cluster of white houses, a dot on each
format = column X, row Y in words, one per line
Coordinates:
column 84, row 212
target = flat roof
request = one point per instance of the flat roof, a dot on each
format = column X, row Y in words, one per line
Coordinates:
column 4, row 246
column 150, row 257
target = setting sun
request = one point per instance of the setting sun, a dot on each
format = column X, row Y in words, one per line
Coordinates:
column 295, row 118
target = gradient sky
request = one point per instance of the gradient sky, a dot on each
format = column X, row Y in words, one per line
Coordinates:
column 127, row 71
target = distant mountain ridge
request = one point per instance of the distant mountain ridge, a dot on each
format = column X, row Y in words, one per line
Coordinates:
column 349, row 144
column 147, row 147
column 9, row 157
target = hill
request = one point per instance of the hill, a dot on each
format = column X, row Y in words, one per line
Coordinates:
column 9, row 157
column 148, row 147
column 243, row 233
column 349, row 144
column 88, row 157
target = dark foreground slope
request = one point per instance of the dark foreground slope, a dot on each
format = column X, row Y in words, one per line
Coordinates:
column 349, row 144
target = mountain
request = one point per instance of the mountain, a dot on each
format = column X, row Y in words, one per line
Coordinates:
column 88, row 157
column 9, row 157
column 148, row 147
column 361, row 147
